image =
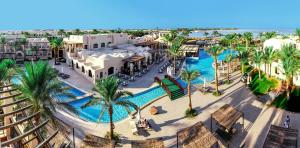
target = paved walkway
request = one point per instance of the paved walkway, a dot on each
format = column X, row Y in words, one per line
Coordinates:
column 171, row 118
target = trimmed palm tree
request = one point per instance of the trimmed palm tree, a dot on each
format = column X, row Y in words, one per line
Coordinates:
column 56, row 44
column 257, row 60
column 215, row 51
column 2, row 42
column 110, row 96
column 189, row 76
column 39, row 83
column 228, row 60
column 268, row 57
column 289, row 57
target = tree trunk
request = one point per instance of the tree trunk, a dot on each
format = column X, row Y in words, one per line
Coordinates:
column 190, row 98
column 216, row 74
column 288, row 88
column 228, row 65
column 242, row 68
column 259, row 74
column 110, row 110
column 175, row 65
column 265, row 67
column 270, row 69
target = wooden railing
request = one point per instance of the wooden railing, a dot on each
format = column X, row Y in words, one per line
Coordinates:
column 175, row 82
column 156, row 79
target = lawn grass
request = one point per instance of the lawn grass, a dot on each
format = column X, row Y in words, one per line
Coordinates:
column 263, row 85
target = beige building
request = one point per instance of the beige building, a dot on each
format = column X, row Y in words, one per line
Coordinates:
column 276, row 69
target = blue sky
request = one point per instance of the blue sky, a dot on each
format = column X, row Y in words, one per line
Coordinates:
column 112, row 14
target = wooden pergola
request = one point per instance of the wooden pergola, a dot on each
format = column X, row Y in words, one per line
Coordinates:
column 134, row 58
column 196, row 136
column 24, row 106
column 150, row 143
column 279, row 137
column 226, row 117
column 91, row 141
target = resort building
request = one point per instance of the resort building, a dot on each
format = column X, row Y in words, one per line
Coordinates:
column 97, row 56
column 276, row 69
column 40, row 47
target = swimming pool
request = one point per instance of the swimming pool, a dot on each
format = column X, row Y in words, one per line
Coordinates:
column 203, row 64
column 92, row 113
column 75, row 92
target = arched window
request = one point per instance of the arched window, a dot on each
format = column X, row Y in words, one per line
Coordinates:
column 90, row 74
column 82, row 69
column 77, row 66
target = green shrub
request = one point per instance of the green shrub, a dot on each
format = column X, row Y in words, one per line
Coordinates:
column 190, row 113
column 116, row 136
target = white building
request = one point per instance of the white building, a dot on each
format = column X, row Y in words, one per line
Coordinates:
column 276, row 69
column 97, row 56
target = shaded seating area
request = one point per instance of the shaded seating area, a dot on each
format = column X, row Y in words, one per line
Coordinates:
column 91, row 141
column 196, row 136
column 226, row 117
column 18, row 117
column 150, row 143
column 281, row 137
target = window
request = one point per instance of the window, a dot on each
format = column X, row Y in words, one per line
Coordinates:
column 90, row 74
column 77, row 66
column 101, row 74
column 85, row 46
column 95, row 46
column 102, row 44
column 82, row 69
column 276, row 70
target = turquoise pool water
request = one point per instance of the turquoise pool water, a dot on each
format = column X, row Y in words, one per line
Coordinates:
column 203, row 64
column 92, row 113
column 75, row 92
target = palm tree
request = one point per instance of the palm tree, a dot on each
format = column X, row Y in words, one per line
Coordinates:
column 94, row 31
column 186, row 32
column 77, row 32
column 23, row 42
column 16, row 45
column 215, row 33
column 61, row 32
column 268, row 57
column 257, row 60
column 189, row 76
column 39, row 83
column 3, row 42
column 289, row 57
column 56, row 44
column 228, row 60
column 298, row 33
column 174, row 50
column 269, row 35
column 6, row 70
column 243, row 55
column 110, row 96
column 215, row 51
column 170, row 37
column 247, row 37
